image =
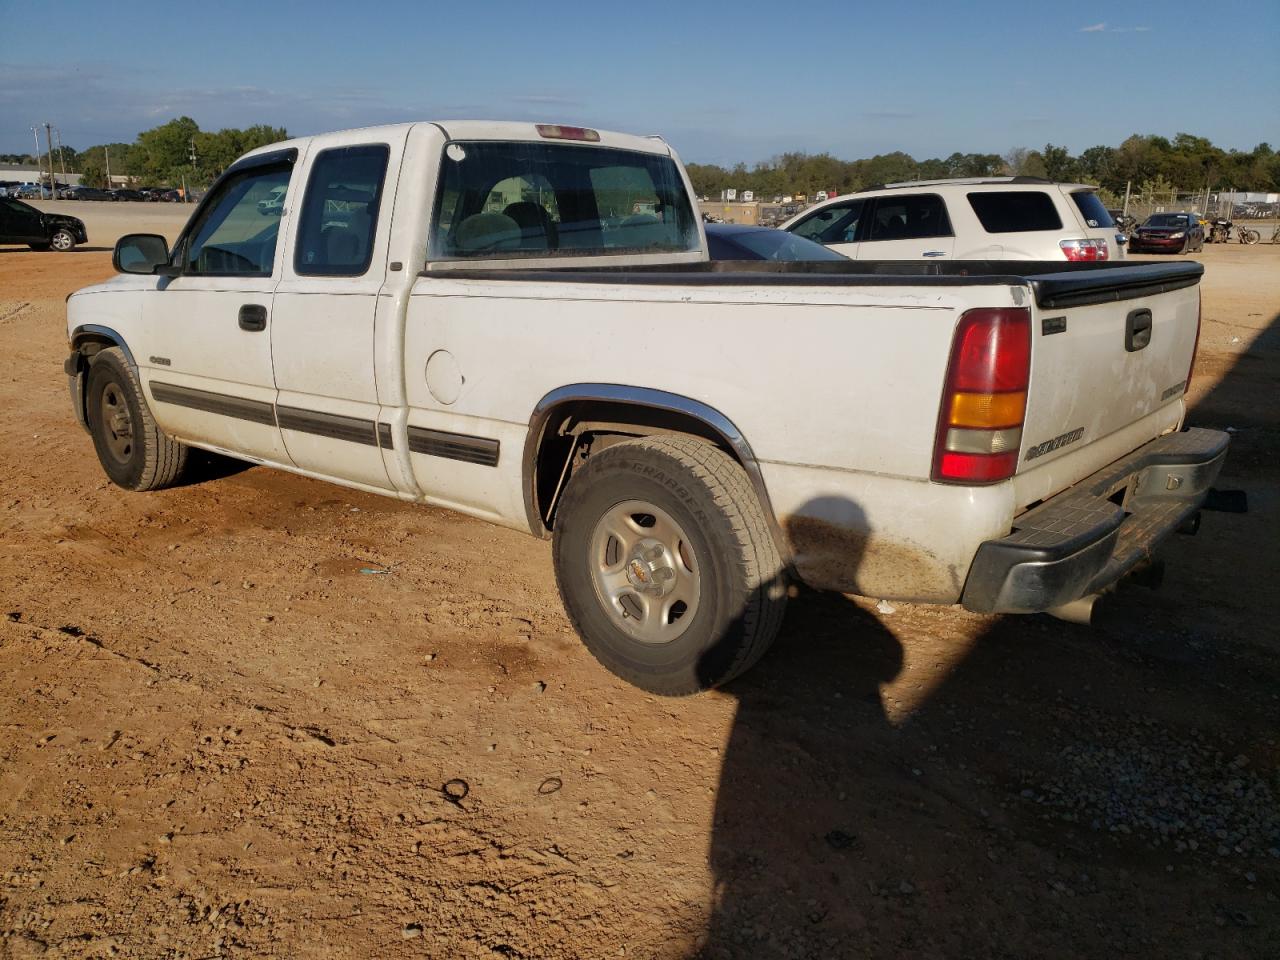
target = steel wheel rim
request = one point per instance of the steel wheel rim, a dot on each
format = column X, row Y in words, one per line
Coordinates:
column 644, row 571
column 61, row 241
column 117, row 424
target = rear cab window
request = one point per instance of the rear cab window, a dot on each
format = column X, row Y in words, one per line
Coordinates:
column 504, row 200
column 1092, row 209
column 1015, row 211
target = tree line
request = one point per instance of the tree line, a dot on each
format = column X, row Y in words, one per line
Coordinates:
column 161, row 156
column 1186, row 162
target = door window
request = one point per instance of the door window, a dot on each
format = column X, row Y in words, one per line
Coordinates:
column 18, row 218
column 237, row 234
column 910, row 217
column 835, row 224
column 340, row 211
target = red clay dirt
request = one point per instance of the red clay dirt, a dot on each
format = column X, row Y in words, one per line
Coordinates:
column 230, row 714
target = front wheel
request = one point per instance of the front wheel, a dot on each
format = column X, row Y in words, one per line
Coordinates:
column 666, row 564
column 134, row 452
column 1250, row 237
column 62, row 241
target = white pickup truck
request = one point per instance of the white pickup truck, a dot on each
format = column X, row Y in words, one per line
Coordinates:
column 521, row 323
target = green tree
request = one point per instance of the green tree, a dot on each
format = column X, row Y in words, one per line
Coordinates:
column 163, row 152
column 1059, row 165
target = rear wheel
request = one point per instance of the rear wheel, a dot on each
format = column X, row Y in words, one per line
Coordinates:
column 666, row 564
column 134, row 452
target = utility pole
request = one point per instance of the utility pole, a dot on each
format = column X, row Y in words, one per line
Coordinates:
column 62, row 157
column 48, row 139
column 106, row 152
column 1127, row 185
column 186, row 197
column 35, row 133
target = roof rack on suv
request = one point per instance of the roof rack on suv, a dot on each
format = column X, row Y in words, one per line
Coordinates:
column 955, row 180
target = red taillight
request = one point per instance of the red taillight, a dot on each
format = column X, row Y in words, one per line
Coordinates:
column 1085, row 250
column 1195, row 347
column 984, row 400
column 553, row 131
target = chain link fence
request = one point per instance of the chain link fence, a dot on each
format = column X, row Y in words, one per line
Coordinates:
column 1210, row 205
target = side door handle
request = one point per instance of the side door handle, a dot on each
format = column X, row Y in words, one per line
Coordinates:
column 934, row 253
column 253, row 317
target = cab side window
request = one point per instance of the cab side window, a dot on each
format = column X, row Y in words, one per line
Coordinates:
column 237, row 234
column 340, row 211
column 910, row 217
column 835, row 224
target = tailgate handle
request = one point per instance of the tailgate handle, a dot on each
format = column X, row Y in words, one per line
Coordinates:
column 1137, row 330
column 253, row 317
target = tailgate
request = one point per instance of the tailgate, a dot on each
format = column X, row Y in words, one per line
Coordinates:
column 1109, row 348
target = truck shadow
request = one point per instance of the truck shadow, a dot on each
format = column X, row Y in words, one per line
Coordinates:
column 998, row 787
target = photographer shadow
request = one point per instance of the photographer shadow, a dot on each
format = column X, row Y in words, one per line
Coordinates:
column 790, row 815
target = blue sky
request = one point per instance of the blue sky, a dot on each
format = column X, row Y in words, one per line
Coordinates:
column 722, row 83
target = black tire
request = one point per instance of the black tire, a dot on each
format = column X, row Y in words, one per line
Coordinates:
column 64, row 241
column 133, row 451
column 741, row 586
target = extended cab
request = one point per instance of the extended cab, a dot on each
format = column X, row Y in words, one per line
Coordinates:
column 475, row 315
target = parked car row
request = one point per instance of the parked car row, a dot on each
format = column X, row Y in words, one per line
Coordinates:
column 152, row 194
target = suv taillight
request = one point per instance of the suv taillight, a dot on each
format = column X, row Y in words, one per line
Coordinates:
column 984, row 399
column 1085, row 249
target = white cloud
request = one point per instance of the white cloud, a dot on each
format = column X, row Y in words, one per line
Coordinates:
column 1103, row 28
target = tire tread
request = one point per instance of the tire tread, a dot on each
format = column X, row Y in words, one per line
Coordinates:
column 760, row 566
column 164, row 458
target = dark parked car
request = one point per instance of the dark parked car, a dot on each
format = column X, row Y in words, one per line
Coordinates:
column 32, row 191
column 87, row 193
column 730, row 241
column 23, row 223
column 1168, row 232
column 124, row 193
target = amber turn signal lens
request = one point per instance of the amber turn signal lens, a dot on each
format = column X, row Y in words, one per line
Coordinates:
column 987, row 410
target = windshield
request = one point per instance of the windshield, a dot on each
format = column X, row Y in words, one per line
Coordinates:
column 1168, row 220
column 499, row 200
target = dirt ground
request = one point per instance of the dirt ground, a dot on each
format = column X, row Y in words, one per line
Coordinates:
column 230, row 713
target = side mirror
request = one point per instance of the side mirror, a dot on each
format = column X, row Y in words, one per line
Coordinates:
column 140, row 253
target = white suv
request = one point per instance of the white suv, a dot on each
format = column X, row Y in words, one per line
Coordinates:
column 992, row 218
